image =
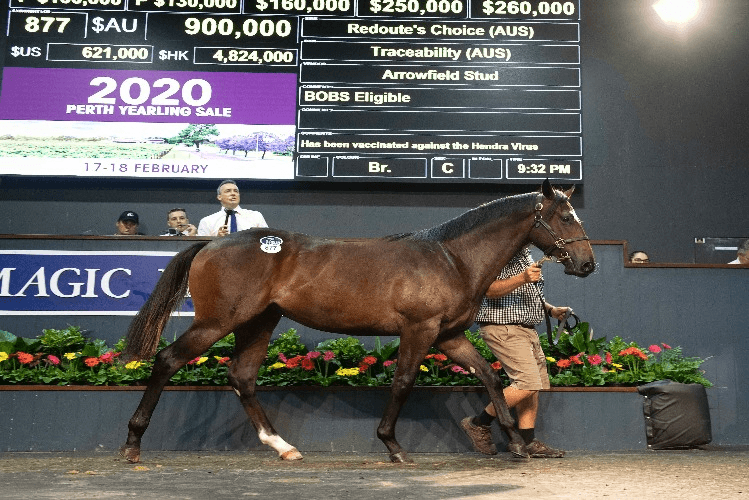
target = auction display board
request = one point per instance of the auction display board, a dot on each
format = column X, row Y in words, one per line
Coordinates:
column 456, row 91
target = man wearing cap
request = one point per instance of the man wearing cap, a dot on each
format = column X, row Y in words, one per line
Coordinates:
column 231, row 218
column 127, row 224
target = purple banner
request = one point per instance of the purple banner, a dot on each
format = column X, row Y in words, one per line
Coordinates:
column 148, row 96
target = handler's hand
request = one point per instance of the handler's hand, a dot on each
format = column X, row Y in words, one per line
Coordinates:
column 531, row 274
column 558, row 312
column 223, row 231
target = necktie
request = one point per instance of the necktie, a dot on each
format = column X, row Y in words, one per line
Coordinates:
column 233, row 222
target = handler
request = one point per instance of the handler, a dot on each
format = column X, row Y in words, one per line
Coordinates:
column 507, row 318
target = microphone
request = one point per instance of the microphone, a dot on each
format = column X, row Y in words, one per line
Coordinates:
column 228, row 211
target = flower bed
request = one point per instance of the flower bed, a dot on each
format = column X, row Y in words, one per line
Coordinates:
column 66, row 357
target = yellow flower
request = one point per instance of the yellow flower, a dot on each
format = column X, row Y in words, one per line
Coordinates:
column 550, row 359
column 3, row 356
column 347, row 372
column 70, row 356
column 423, row 368
column 617, row 366
column 201, row 360
column 277, row 365
column 133, row 365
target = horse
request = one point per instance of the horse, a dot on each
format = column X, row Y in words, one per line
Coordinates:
column 425, row 286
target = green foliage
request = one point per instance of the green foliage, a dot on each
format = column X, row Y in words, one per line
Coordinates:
column 578, row 359
column 66, row 357
column 288, row 343
column 59, row 342
column 348, row 350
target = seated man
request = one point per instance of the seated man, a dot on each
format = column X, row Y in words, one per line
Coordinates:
column 742, row 254
column 231, row 218
column 127, row 224
column 178, row 224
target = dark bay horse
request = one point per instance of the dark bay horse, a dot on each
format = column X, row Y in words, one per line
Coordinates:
column 424, row 286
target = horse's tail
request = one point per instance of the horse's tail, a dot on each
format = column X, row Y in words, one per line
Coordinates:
column 145, row 329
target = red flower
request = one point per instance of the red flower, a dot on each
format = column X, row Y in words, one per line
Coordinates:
column 497, row 365
column 564, row 363
column 193, row 361
column 609, row 358
column 654, row 349
column 24, row 358
column 294, row 362
column 91, row 362
column 313, row 355
column 595, row 359
column 665, row 346
column 53, row 360
column 458, row 369
column 107, row 357
column 363, row 367
column 282, row 358
column 308, row 364
column 633, row 351
column 437, row 357
column 369, row 360
column 388, row 363
column 576, row 359
column 224, row 360
column 328, row 355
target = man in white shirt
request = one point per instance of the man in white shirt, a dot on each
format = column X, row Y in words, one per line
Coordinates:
column 742, row 254
column 231, row 217
column 178, row 223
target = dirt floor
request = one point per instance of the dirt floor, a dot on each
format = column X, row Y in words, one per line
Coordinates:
column 711, row 472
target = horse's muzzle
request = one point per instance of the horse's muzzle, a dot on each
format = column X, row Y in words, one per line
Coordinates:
column 582, row 270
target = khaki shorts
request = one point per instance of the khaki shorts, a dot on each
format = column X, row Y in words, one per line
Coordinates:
column 520, row 353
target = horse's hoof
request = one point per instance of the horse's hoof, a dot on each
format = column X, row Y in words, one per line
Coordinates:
column 130, row 453
column 400, row 458
column 292, row 454
column 518, row 450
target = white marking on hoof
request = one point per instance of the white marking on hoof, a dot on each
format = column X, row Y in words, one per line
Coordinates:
column 276, row 442
column 237, row 393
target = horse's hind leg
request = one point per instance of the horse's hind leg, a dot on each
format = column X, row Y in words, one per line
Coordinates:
column 251, row 348
column 459, row 349
column 194, row 342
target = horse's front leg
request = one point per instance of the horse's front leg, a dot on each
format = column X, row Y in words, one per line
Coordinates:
column 413, row 349
column 459, row 349
column 251, row 349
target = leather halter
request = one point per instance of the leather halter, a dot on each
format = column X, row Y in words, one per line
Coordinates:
column 538, row 221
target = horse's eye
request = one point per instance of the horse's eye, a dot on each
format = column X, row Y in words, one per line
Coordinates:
column 566, row 218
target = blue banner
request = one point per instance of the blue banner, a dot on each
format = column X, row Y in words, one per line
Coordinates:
column 76, row 283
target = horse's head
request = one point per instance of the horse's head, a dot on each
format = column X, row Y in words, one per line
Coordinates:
column 559, row 233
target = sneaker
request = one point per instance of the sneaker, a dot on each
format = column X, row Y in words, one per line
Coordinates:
column 480, row 436
column 537, row 449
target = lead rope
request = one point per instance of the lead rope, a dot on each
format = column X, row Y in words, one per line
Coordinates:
column 562, row 324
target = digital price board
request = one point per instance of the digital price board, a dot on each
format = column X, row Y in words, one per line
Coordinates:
column 433, row 91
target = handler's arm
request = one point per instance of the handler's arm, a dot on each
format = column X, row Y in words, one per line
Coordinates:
column 500, row 288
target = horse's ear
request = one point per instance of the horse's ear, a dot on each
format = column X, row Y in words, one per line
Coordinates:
column 547, row 190
column 569, row 192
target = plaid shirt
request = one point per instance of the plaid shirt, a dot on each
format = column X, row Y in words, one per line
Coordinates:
column 522, row 305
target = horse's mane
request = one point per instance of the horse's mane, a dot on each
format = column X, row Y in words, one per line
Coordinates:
column 469, row 220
